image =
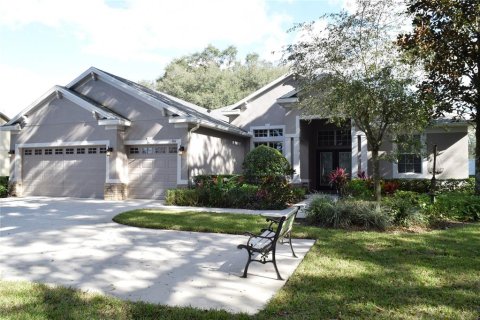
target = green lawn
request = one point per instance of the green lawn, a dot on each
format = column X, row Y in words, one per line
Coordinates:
column 346, row 275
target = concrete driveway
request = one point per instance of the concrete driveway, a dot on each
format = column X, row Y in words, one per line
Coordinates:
column 73, row 242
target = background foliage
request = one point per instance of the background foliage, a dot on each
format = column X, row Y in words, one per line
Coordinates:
column 215, row 78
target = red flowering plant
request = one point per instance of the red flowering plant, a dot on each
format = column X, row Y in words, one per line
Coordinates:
column 338, row 178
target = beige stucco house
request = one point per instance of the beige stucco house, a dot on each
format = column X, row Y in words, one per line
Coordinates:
column 106, row 137
column 4, row 148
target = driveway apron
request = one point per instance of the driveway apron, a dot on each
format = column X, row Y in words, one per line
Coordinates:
column 74, row 243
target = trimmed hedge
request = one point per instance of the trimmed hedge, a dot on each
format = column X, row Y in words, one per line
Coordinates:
column 264, row 162
column 231, row 191
column 363, row 188
column 3, row 186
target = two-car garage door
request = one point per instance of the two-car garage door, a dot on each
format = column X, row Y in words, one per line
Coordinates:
column 80, row 171
column 64, row 172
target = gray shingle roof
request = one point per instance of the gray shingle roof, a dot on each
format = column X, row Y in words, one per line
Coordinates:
column 187, row 107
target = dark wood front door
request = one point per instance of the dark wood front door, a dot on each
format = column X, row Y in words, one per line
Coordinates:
column 329, row 160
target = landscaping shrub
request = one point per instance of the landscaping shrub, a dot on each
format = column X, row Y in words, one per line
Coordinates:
column 326, row 212
column 363, row 188
column 264, row 186
column 228, row 191
column 359, row 188
column 338, row 178
column 423, row 185
column 321, row 211
column 405, row 207
column 264, row 161
column 3, row 186
column 457, row 205
column 182, row 197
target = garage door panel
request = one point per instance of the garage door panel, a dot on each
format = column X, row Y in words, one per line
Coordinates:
column 66, row 175
column 151, row 173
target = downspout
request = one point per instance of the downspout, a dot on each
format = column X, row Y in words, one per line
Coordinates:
column 195, row 128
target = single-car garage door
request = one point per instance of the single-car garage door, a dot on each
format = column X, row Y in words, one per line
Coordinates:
column 151, row 171
column 64, row 172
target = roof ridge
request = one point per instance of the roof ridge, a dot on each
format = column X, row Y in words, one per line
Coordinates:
column 175, row 102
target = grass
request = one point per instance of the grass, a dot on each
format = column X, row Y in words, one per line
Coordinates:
column 346, row 275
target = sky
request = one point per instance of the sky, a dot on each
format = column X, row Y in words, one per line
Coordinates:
column 50, row 42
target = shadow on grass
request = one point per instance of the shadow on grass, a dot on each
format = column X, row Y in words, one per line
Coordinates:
column 391, row 276
column 23, row 300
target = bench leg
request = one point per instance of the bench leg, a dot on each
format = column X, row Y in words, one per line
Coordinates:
column 290, row 241
column 248, row 263
column 275, row 265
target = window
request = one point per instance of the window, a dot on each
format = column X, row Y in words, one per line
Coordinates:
column 28, row 152
column 160, row 149
column 172, row 149
column 260, row 133
column 147, row 150
column 80, row 150
column 38, row 152
column 326, row 138
column 58, row 151
column 408, row 159
column 276, row 145
column 334, row 138
column 271, row 137
column 92, row 150
column 133, row 150
column 103, row 150
column 69, row 151
column 48, row 151
column 275, row 132
column 257, row 144
column 409, row 163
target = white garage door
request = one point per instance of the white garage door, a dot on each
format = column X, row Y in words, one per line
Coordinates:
column 64, row 172
column 151, row 171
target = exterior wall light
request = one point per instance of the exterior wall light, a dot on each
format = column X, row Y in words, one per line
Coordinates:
column 11, row 153
column 109, row 151
column 181, row 150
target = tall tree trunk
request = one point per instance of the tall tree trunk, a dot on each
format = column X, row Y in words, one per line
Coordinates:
column 477, row 155
column 376, row 174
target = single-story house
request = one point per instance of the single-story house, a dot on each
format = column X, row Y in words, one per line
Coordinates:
column 4, row 148
column 107, row 137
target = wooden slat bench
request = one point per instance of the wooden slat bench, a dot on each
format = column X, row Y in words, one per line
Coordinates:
column 266, row 242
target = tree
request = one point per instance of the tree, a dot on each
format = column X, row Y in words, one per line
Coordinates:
column 214, row 78
column 351, row 71
column 445, row 37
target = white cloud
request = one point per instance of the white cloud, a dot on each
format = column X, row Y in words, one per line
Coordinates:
column 20, row 87
column 140, row 30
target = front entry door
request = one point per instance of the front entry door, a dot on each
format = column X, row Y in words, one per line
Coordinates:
column 325, row 159
column 329, row 160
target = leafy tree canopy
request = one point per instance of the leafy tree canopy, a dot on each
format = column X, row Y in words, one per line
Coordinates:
column 351, row 70
column 445, row 38
column 215, row 78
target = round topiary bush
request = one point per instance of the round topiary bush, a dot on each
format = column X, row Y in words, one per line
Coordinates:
column 264, row 161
